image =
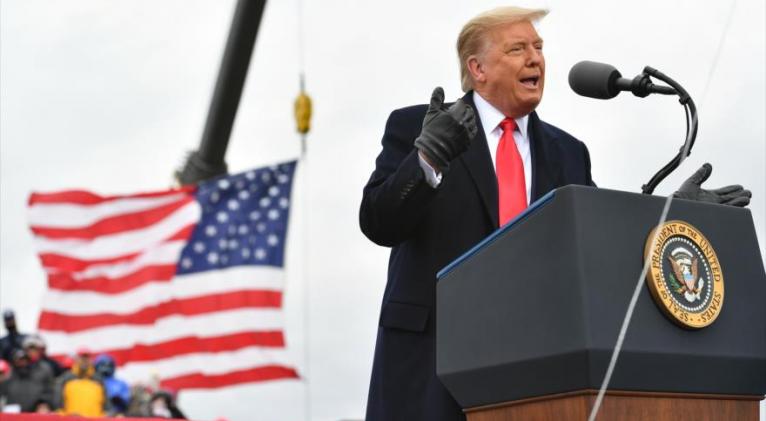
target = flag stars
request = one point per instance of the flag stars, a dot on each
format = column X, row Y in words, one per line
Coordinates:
column 186, row 263
column 260, row 254
column 243, row 221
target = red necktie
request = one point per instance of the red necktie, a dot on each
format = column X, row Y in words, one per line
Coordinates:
column 511, row 186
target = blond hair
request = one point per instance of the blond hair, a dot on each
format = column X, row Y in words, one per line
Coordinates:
column 473, row 37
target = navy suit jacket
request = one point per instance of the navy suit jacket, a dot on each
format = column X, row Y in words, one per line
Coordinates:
column 427, row 228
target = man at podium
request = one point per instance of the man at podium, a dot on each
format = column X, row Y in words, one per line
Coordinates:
column 447, row 176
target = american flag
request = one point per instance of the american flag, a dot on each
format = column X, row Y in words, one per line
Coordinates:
column 184, row 284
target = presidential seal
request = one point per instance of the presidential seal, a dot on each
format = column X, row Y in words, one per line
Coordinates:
column 684, row 275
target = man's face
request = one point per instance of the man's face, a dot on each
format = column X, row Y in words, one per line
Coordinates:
column 510, row 73
column 34, row 353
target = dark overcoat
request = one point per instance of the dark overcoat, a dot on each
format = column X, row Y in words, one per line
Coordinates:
column 426, row 229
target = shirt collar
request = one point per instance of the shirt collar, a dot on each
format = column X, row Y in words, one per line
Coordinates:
column 491, row 116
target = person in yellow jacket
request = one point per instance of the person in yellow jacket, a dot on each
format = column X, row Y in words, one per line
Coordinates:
column 81, row 390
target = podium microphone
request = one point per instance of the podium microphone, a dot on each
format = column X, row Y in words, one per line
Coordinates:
column 603, row 81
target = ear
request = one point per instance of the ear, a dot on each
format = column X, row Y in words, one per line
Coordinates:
column 476, row 69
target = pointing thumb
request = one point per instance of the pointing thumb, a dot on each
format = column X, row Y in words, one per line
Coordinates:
column 437, row 98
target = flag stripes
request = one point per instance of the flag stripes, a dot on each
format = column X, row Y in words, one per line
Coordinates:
column 166, row 329
column 193, row 344
column 185, row 284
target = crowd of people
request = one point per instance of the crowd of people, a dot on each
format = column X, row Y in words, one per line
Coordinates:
column 83, row 384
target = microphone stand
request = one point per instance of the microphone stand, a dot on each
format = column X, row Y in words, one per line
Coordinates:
column 690, row 111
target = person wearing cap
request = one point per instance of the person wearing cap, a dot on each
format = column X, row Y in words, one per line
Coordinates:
column 34, row 346
column 81, row 390
column 163, row 405
column 117, row 390
column 13, row 340
column 29, row 383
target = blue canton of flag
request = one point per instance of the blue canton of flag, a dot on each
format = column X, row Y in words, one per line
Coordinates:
column 243, row 222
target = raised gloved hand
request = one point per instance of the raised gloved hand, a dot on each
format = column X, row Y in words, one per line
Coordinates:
column 446, row 132
column 730, row 195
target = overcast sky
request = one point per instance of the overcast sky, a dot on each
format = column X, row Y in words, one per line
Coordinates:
column 109, row 95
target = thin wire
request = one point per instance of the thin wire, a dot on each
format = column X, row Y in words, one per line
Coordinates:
column 718, row 51
column 637, row 289
column 301, row 45
column 634, row 298
column 306, row 285
column 307, row 406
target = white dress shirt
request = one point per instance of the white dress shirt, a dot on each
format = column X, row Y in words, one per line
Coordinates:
column 490, row 120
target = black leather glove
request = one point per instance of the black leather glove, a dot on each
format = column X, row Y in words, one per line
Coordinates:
column 730, row 195
column 446, row 132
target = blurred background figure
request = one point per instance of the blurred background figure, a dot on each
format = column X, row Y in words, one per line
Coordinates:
column 163, row 405
column 13, row 340
column 5, row 371
column 117, row 391
column 81, row 391
column 28, row 385
column 43, row 407
column 34, row 346
column 141, row 395
column 5, row 374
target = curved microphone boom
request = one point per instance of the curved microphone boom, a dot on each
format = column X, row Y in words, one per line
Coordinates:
column 603, row 81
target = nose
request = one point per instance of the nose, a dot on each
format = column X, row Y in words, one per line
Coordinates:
column 534, row 56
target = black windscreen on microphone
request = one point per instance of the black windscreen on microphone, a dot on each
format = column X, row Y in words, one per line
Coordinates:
column 594, row 80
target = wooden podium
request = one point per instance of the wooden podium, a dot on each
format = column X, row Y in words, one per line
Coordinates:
column 527, row 320
column 623, row 406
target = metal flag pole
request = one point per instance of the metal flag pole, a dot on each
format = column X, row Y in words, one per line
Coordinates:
column 302, row 119
column 302, row 110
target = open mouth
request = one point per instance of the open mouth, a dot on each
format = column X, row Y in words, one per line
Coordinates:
column 530, row 82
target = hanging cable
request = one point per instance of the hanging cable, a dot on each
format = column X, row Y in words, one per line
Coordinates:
column 691, row 130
